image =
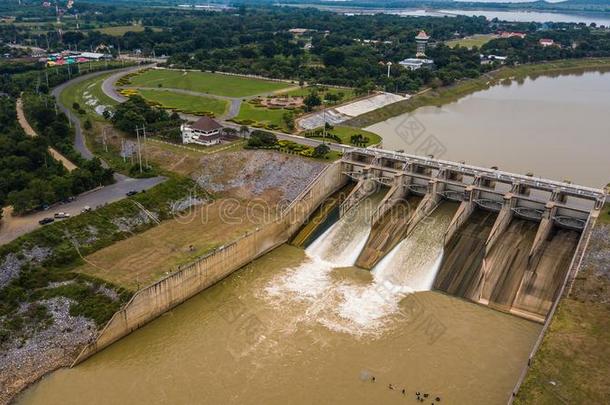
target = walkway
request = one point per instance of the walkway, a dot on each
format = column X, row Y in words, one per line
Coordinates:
column 29, row 131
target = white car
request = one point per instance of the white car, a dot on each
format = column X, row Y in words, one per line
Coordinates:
column 60, row 215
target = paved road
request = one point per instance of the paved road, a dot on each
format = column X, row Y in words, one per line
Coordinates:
column 29, row 131
column 109, row 84
column 13, row 227
column 79, row 140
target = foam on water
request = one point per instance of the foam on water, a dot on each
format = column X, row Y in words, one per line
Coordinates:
column 351, row 307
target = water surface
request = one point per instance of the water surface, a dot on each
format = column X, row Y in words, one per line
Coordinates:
column 555, row 127
column 257, row 338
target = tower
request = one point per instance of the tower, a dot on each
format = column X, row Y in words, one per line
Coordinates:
column 421, row 40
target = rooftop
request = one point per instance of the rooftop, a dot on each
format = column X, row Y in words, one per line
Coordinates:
column 422, row 35
column 206, row 124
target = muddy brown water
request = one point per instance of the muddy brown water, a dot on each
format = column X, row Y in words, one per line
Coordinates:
column 319, row 340
column 305, row 326
column 555, row 127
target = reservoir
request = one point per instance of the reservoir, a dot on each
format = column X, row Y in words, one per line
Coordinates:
column 553, row 127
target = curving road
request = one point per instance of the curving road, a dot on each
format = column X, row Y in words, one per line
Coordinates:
column 14, row 226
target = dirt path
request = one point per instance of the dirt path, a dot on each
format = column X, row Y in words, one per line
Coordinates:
column 29, row 131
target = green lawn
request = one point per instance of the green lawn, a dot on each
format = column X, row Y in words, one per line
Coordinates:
column 197, row 105
column 213, row 83
column 322, row 90
column 472, row 41
column 345, row 133
column 604, row 216
column 261, row 115
column 120, row 30
column 92, row 87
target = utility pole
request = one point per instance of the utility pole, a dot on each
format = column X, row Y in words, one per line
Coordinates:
column 145, row 154
column 139, row 151
column 389, row 66
column 104, row 139
column 123, row 149
column 324, row 130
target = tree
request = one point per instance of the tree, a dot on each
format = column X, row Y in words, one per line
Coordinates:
column 262, row 139
column 321, row 150
column 244, row 130
column 288, row 118
column 87, row 125
column 312, row 100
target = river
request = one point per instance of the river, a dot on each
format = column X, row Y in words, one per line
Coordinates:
column 555, row 127
column 305, row 326
column 598, row 18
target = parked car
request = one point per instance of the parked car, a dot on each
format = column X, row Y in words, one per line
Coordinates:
column 86, row 209
column 60, row 215
column 45, row 221
column 132, row 192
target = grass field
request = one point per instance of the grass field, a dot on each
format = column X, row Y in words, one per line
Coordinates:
column 189, row 104
column 322, row 91
column 78, row 92
column 471, row 41
column 203, row 82
column 120, row 30
column 148, row 256
column 261, row 115
column 345, row 133
column 604, row 216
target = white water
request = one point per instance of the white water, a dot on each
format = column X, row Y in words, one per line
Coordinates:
column 347, row 304
column 412, row 265
column 341, row 244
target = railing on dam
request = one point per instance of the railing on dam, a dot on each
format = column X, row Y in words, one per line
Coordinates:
column 489, row 184
column 473, row 171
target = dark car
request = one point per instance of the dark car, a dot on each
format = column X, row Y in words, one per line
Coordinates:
column 45, row 221
column 132, row 192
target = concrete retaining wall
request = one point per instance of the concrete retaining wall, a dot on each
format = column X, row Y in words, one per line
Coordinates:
column 152, row 301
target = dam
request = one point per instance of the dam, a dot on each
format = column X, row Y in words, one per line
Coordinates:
column 510, row 241
column 382, row 287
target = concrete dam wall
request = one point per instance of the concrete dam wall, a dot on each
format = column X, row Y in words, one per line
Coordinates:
column 152, row 301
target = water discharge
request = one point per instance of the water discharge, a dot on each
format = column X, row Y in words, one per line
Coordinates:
column 414, row 262
column 307, row 327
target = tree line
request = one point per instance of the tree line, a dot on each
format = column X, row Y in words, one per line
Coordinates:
column 29, row 177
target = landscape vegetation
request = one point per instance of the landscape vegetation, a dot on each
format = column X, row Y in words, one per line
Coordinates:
column 245, row 68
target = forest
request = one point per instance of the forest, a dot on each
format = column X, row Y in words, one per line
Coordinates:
column 29, row 177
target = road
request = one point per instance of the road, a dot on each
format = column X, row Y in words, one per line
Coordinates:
column 79, row 140
column 15, row 226
column 29, row 131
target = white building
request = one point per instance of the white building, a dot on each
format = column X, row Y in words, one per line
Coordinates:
column 416, row 63
column 95, row 55
column 205, row 131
